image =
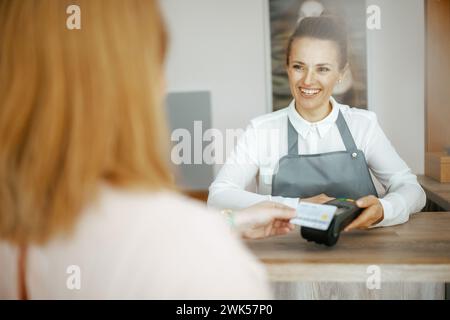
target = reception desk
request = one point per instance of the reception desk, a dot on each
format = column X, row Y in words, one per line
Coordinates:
column 437, row 193
column 411, row 261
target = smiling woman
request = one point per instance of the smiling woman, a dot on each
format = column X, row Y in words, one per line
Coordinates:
column 325, row 149
column 87, row 206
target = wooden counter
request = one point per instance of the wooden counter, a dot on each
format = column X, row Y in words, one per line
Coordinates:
column 437, row 192
column 415, row 252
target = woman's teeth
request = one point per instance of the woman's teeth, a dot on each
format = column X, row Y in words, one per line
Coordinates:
column 309, row 92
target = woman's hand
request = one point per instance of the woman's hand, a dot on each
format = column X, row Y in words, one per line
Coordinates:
column 263, row 220
column 372, row 214
column 319, row 199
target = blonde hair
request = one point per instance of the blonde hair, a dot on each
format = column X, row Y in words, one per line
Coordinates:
column 77, row 107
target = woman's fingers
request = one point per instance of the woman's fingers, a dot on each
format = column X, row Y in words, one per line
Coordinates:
column 280, row 231
column 282, row 224
column 371, row 215
column 319, row 199
column 367, row 201
column 270, row 218
column 279, row 227
column 324, row 198
column 281, row 211
column 367, row 218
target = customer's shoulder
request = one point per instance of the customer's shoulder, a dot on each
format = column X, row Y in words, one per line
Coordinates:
column 141, row 237
column 154, row 205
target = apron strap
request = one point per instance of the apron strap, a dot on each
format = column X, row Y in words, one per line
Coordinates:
column 292, row 139
column 346, row 136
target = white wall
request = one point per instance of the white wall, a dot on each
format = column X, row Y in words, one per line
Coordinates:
column 220, row 46
column 396, row 77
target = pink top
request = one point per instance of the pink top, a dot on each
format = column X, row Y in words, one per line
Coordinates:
column 139, row 245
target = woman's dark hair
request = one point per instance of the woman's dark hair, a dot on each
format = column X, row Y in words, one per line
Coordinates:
column 325, row 27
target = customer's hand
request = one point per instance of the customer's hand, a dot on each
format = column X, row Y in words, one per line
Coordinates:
column 372, row 214
column 319, row 199
column 263, row 220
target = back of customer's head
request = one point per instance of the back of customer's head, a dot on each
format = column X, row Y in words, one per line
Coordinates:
column 77, row 107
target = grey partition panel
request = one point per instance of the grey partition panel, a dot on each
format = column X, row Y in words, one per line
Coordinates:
column 184, row 110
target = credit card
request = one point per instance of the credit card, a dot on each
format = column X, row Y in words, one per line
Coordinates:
column 317, row 216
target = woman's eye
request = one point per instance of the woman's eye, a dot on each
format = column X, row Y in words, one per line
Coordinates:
column 324, row 69
column 298, row 67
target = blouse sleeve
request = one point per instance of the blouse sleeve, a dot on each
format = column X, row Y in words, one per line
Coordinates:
column 404, row 195
column 241, row 167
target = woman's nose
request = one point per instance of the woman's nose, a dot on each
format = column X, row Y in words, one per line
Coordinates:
column 309, row 78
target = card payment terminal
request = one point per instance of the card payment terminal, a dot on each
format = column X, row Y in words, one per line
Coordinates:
column 346, row 212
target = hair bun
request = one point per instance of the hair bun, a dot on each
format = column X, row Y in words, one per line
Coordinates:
column 316, row 22
column 310, row 8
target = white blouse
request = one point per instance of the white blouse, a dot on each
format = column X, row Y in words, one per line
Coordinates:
column 139, row 245
column 265, row 141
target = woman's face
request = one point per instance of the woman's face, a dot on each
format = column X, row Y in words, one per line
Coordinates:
column 313, row 72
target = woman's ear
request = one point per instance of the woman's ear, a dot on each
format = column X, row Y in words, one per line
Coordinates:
column 344, row 81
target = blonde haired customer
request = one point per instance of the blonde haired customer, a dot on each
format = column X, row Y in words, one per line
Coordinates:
column 84, row 186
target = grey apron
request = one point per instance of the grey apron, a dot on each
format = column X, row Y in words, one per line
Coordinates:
column 341, row 174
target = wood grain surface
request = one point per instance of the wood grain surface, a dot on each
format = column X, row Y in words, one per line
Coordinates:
column 437, row 192
column 417, row 251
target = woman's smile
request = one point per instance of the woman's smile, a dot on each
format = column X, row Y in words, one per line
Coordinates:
column 309, row 93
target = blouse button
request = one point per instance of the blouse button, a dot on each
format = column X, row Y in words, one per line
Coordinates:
column 354, row 155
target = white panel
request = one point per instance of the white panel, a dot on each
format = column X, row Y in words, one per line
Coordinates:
column 396, row 77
